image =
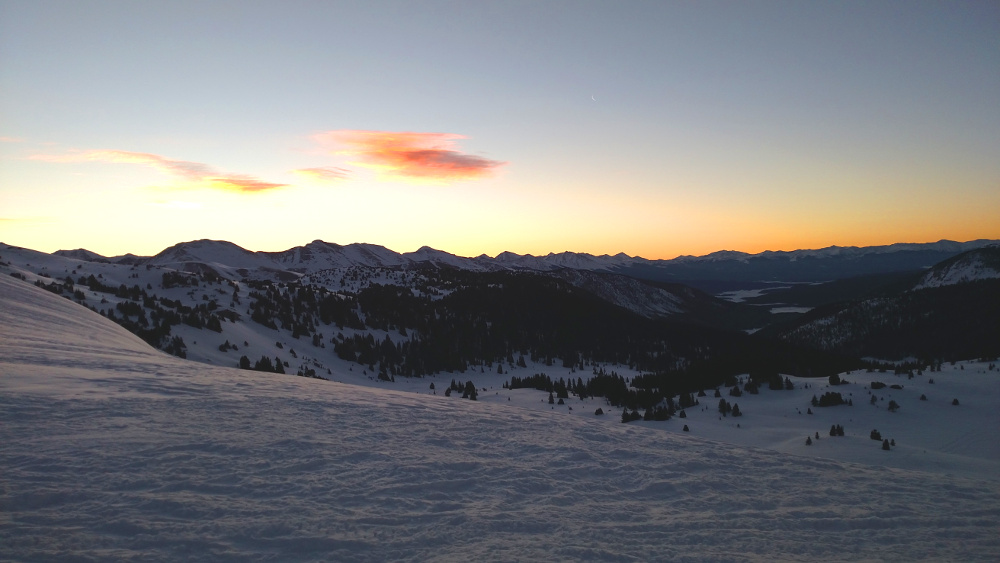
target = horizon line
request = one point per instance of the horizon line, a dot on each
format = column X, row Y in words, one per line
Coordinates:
column 626, row 255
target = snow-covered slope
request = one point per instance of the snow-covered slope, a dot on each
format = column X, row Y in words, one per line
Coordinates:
column 980, row 264
column 114, row 451
column 80, row 254
column 626, row 292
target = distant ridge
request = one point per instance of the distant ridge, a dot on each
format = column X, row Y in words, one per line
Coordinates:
column 810, row 265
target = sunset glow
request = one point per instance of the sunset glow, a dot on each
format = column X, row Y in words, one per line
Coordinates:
column 195, row 172
column 408, row 155
column 654, row 129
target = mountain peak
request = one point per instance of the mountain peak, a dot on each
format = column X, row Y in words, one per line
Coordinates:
column 80, row 254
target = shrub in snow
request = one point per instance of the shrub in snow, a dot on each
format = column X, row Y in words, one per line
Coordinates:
column 686, row 428
column 875, row 435
column 893, row 406
column 724, row 407
column 835, row 379
column 630, row 416
column 954, row 402
column 829, row 399
column 599, row 412
column 683, row 414
column 877, row 385
column 809, row 441
column 923, row 397
column 885, row 445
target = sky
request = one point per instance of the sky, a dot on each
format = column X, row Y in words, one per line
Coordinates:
column 656, row 129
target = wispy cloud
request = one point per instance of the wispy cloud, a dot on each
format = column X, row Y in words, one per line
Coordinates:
column 195, row 172
column 323, row 174
column 408, row 155
column 11, row 140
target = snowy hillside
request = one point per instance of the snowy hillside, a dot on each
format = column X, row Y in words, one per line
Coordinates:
column 113, row 450
column 975, row 265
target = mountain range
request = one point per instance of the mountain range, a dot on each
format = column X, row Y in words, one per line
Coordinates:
column 444, row 312
column 707, row 272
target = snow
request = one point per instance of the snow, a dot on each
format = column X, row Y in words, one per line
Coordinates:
column 963, row 269
column 112, row 450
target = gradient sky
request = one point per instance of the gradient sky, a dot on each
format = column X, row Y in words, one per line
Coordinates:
column 652, row 128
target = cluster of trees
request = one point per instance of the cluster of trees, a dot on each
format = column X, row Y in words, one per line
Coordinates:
column 263, row 364
column 951, row 322
column 147, row 316
column 726, row 409
column 657, row 412
column 830, row 399
column 542, row 382
column 300, row 309
column 500, row 318
column 468, row 390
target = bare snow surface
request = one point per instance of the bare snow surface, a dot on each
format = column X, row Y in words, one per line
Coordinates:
column 110, row 450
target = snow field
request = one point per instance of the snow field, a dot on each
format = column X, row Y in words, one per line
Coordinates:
column 115, row 451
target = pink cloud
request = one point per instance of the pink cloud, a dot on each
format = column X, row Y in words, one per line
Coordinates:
column 191, row 171
column 323, row 174
column 421, row 156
